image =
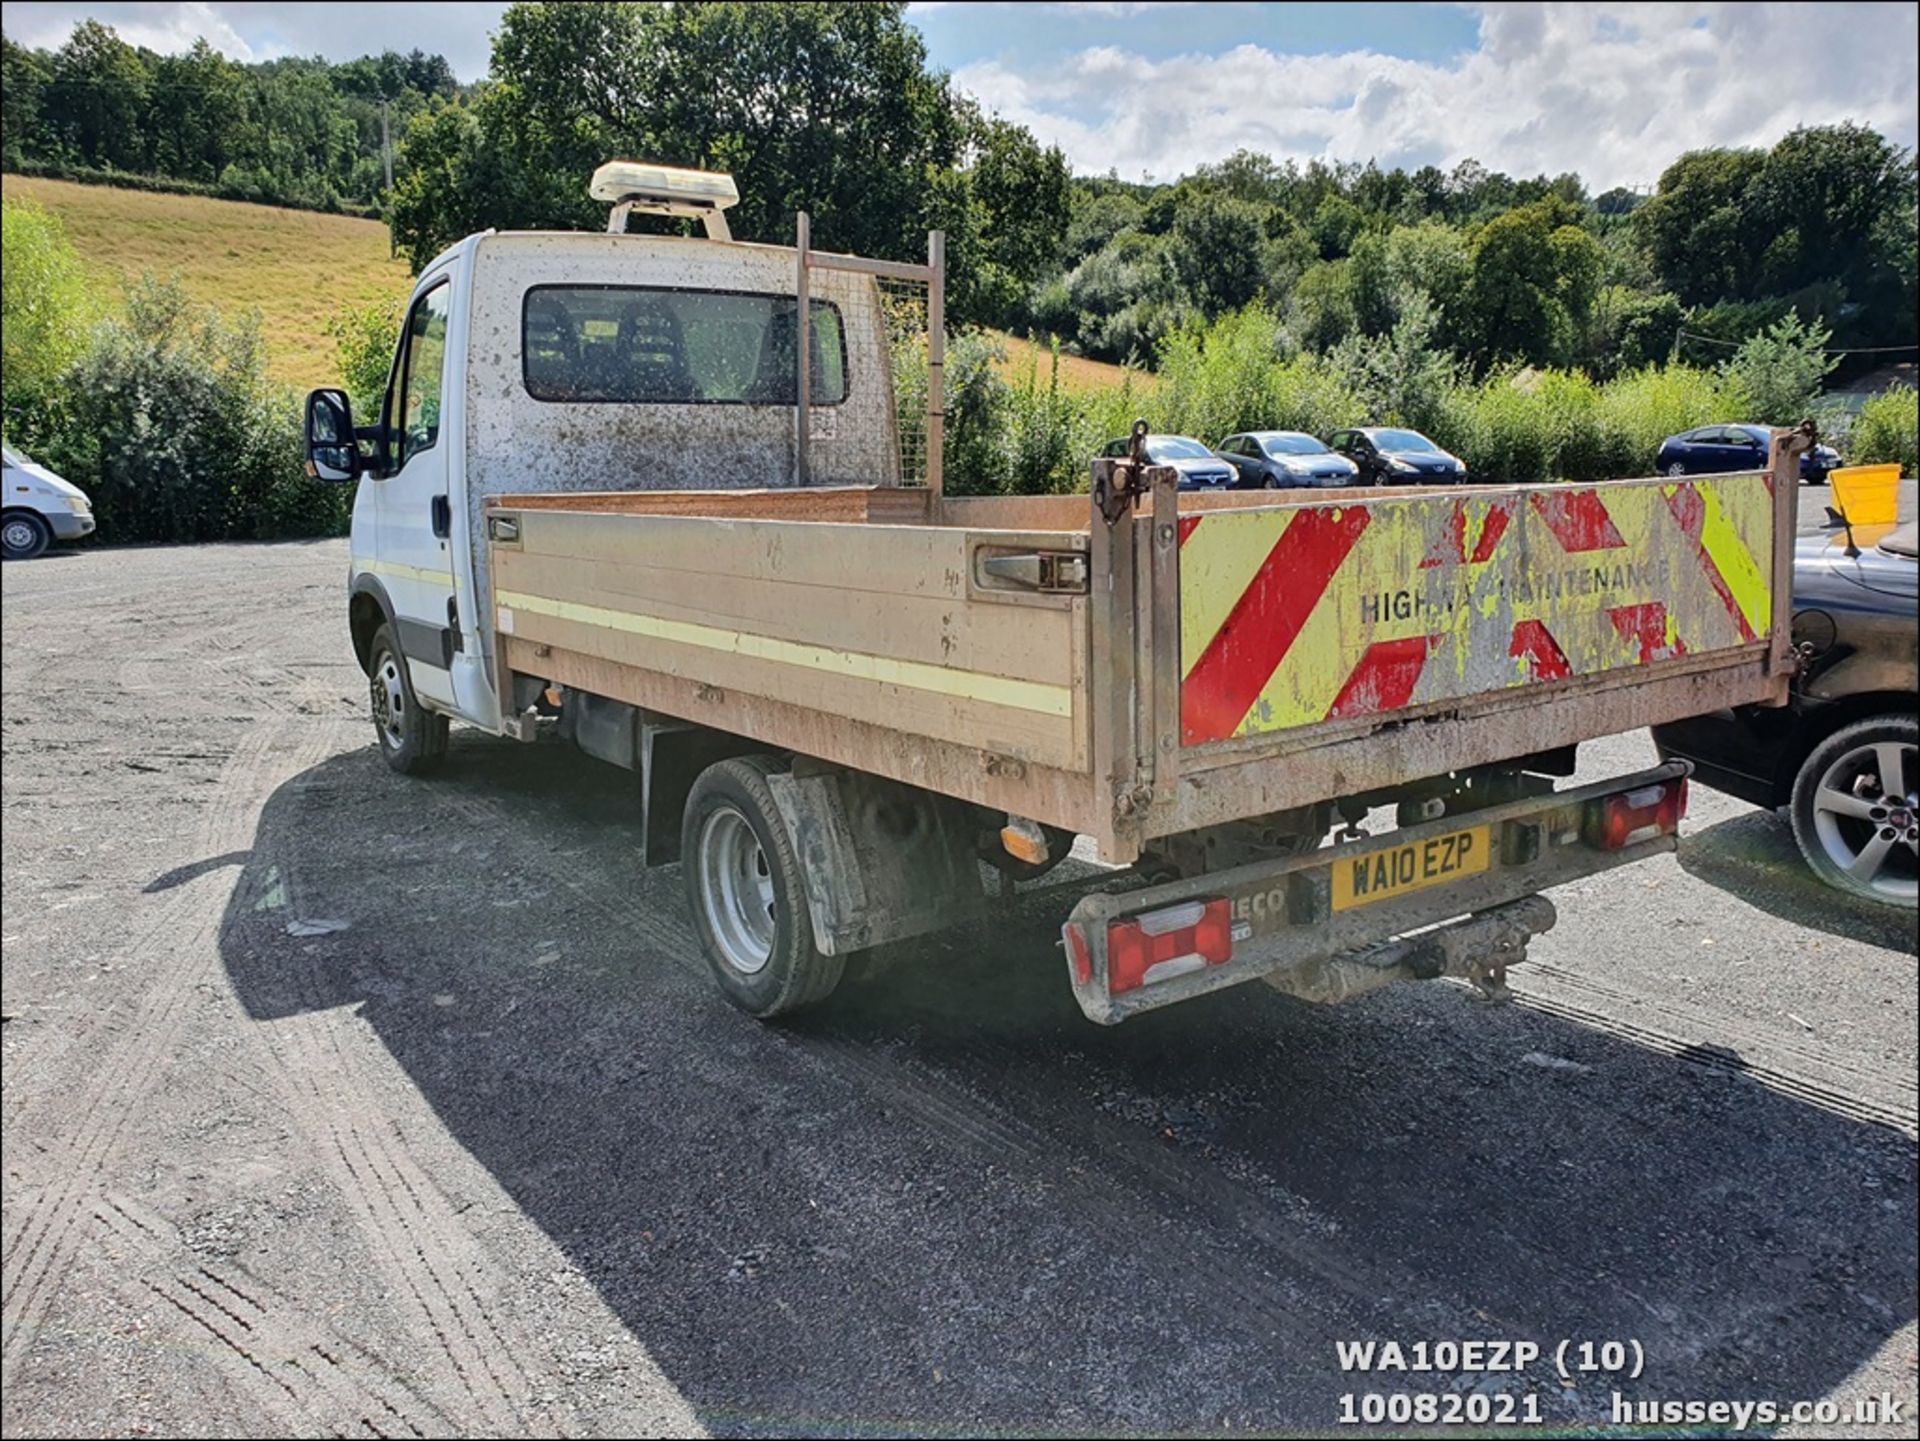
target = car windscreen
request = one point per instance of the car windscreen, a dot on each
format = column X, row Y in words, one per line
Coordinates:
column 1402, row 440
column 1162, row 448
column 13, row 457
column 1292, row 445
column 627, row 344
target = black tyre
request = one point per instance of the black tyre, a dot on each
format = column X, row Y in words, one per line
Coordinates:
column 23, row 535
column 412, row 738
column 747, row 893
column 1856, row 809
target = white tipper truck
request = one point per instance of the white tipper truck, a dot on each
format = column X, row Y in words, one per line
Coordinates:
column 671, row 497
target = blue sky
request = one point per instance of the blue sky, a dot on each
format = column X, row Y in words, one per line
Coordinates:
column 965, row 34
column 1614, row 91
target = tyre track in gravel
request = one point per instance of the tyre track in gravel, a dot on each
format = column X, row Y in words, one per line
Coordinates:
column 1850, row 1091
column 409, row 1225
column 1304, row 1280
column 305, row 1374
column 180, row 936
column 317, row 1080
column 1298, row 1283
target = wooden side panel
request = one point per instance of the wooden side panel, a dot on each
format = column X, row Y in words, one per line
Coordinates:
column 871, row 623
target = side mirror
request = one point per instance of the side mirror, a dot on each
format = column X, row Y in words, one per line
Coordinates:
column 332, row 454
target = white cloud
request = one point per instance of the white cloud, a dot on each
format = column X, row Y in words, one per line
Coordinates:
column 1613, row 91
column 265, row 30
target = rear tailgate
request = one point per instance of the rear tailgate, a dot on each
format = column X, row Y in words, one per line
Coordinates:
column 1362, row 641
column 1296, row 617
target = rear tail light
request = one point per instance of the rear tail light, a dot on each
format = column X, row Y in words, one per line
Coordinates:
column 1655, row 810
column 1175, row 941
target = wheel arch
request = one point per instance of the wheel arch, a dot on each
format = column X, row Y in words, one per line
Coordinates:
column 368, row 608
column 1830, row 717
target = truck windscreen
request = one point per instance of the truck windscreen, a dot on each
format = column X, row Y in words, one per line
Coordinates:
column 629, row 344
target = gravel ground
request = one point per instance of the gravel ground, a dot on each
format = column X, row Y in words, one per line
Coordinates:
column 342, row 1104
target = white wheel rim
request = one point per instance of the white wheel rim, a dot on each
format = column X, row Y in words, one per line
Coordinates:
column 389, row 696
column 1867, row 817
column 1676, row 469
column 736, row 891
column 19, row 535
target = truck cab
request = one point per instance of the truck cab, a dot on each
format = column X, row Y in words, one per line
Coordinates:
column 558, row 362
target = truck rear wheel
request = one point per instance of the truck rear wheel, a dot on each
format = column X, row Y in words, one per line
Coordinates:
column 747, row 893
column 412, row 739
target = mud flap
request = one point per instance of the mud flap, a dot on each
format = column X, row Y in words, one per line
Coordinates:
column 883, row 861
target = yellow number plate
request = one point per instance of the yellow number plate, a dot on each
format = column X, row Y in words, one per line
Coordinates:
column 1382, row 875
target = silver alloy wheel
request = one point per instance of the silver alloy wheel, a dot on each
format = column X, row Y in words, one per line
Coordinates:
column 389, row 694
column 19, row 535
column 736, row 888
column 1677, row 468
column 1866, row 811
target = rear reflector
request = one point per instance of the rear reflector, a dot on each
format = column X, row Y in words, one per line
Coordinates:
column 1636, row 816
column 1078, row 955
column 1174, row 941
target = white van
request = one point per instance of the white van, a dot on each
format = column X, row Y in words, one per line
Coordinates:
column 40, row 508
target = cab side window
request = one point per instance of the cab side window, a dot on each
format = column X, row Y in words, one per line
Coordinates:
column 422, row 370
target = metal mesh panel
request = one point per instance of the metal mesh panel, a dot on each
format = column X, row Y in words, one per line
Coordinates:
column 903, row 308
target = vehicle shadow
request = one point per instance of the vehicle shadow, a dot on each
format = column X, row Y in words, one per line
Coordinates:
column 1753, row 857
column 948, row 1204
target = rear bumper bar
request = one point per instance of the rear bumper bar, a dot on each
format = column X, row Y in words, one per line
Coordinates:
column 1288, row 930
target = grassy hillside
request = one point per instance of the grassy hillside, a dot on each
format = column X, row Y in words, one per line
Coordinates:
column 295, row 267
column 1077, row 373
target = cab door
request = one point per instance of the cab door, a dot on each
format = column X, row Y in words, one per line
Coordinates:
column 414, row 514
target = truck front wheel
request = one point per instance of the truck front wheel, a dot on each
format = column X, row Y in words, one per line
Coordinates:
column 413, row 739
column 747, row 894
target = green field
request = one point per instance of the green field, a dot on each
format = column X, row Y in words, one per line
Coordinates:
column 296, row 267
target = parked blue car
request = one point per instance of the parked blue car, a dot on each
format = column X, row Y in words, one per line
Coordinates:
column 1714, row 449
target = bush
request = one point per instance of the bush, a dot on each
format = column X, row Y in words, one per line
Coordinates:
column 1218, row 378
column 171, row 426
column 364, row 340
column 46, row 310
column 1884, row 431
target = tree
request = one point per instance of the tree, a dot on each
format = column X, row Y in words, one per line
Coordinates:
column 1336, row 221
column 1020, row 196
column 1215, row 251
column 1824, row 189
column 1095, row 218
column 24, row 76
column 1780, row 370
column 100, row 96
column 1702, row 226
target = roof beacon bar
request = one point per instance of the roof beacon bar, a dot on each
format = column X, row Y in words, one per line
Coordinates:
column 631, row 185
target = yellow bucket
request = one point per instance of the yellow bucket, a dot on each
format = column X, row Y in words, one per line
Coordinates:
column 1866, row 494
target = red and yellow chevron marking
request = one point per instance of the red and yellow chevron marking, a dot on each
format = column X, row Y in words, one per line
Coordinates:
column 1292, row 616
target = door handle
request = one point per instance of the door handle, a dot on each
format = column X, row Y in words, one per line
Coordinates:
column 442, row 517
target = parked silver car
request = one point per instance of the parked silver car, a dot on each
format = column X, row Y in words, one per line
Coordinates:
column 1278, row 459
